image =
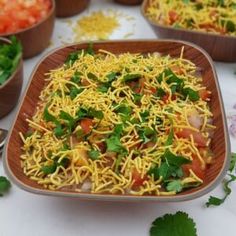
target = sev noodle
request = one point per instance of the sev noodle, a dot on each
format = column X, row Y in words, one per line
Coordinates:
column 132, row 129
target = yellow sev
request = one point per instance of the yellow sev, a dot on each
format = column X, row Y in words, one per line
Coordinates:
column 100, row 176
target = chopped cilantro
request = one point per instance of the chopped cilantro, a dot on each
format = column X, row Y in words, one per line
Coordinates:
column 92, row 76
column 113, row 144
column 94, row 154
column 70, row 121
column 50, row 169
column 144, row 115
column 131, row 77
column 175, row 185
column 191, row 94
column 170, row 167
column 170, row 137
column 89, row 113
column 76, row 77
column 178, row 224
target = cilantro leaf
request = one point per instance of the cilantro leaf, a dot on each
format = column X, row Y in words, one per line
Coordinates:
column 50, row 169
column 4, row 185
column 89, row 113
column 70, row 121
column 191, row 94
column 175, row 186
column 170, row 137
column 215, row 201
column 178, row 224
column 144, row 115
column 113, row 144
column 94, row 154
column 47, row 116
column 131, row 77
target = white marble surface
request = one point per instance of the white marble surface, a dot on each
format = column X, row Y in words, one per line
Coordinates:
column 22, row 213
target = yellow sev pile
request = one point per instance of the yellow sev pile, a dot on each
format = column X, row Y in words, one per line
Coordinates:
column 206, row 15
column 96, row 26
column 99, row 176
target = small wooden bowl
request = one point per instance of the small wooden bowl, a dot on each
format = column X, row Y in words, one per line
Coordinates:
column 220, row 47
column 37, row 37
column 129, row 2
column 65, row 8
column 220, row 141
column 10, row 90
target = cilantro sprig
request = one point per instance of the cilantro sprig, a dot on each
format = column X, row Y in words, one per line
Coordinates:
column 178, row 224
column 216, row 201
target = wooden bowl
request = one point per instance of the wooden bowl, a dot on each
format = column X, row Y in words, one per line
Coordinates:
column 129, row 2
column 220, row 141
column 220, row 47
column 10, row 90
column 65, row 8
column 37, row 37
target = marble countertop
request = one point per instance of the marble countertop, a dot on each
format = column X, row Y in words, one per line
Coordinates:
column 23, row 213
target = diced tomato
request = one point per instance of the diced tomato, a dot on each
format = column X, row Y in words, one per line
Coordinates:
column 204, row 94
column 17, row 14
column 137, row 86
column 149, row 144
column 177, row 69
column 166, row 97
column 85, row 82
column 198, row 138
column 138, row 180
column 153, row 90
column 86, row 125
column 173, row 16
column 102, row 147
column 196, row 167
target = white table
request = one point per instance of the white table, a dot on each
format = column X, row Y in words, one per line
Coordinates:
column 22, row 213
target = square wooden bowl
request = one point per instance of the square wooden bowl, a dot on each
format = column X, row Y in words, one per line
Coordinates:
column 220, row 141
column 220, row 47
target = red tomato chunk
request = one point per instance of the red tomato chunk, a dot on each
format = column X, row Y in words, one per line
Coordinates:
column 16, row 15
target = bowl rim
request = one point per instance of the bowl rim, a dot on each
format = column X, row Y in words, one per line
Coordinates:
column 112, row 197
column 50, row 13
column 185, row 30
column 19, row 66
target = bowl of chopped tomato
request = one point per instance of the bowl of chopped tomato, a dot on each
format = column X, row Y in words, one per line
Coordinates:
column 11, row 74
column 32, row 22
column 210, row 25
column 66, row 8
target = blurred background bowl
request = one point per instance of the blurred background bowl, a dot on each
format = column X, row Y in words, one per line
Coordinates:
column 36, row 38
column 10, row 89
column 129, row 2
column 65, row 8
column 220, row 47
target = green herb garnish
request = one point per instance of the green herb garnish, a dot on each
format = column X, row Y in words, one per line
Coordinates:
column 4, row 185
column 10, row 55
column 178, row 224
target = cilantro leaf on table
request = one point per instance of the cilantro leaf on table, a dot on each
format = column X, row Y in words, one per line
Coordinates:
column 4, row 185
column 215, row 201
column 178, row 224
